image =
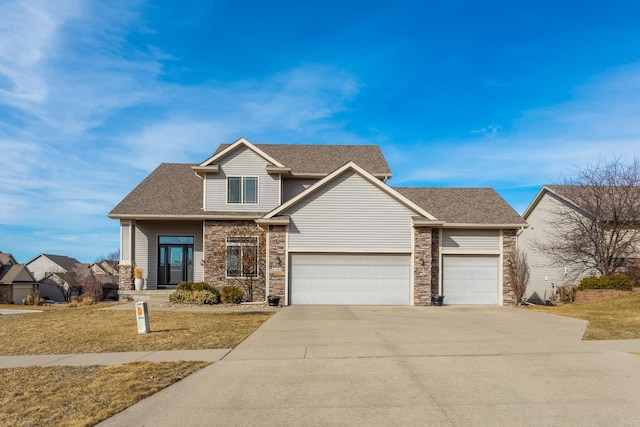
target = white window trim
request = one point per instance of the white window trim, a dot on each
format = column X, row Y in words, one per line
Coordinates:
column 242, row 190
column 241, row 244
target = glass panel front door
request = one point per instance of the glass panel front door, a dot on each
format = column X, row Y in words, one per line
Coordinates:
column 175, row 260
column 176, row 264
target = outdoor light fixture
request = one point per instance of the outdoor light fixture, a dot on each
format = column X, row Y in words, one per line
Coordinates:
column 422, row 262
column 278, row 261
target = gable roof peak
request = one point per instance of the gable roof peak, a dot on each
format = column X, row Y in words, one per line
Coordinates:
column 233, row 147
column 352, row 166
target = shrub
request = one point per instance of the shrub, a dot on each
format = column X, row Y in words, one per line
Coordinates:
column 231, row 294
column 196, row 286
column 565, row 294
column 617, row 281
column 182, row 296
column 613, row 281
column 85, row 299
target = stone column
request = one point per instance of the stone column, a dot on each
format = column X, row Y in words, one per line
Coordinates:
column 435, row 261
column 508, row 254
column 277, row 261
column 125, row 273
column 422, row 265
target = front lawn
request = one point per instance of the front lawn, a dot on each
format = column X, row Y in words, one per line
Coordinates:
column 63, row 330
column 612, row 319
column 84, row 396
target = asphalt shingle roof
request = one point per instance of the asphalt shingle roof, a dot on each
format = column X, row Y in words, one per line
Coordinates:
column 63, row 261
column 171, row 189
column 602, row 201
column 324, row 159
column 175, row 190
column 463, row 205
column 9, row 274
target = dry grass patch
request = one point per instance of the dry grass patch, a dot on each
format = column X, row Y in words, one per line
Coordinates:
column 63, row 330
column 81, row 396
column 612, row 319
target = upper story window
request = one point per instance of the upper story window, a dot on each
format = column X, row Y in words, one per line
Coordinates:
column 242, row 189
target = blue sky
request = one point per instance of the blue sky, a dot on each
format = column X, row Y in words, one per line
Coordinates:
column 94, row 95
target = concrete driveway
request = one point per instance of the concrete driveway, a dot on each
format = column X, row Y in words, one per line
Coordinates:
column 453, row 366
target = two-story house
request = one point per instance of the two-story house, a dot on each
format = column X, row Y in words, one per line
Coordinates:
column 325, row 224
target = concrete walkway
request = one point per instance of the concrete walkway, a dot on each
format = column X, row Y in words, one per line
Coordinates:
column 87, row 359
column 453, row 366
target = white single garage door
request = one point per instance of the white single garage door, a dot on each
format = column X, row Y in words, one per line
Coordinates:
column 350, row 279
column 470, row 279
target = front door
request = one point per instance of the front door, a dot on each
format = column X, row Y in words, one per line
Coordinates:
column 175, row 260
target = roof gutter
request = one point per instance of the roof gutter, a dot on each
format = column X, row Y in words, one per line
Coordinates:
column 143, row 217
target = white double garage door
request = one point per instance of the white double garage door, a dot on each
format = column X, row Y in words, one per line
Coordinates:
column 385, row 279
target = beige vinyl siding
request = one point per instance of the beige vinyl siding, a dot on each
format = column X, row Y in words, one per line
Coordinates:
column 291, row 187
column 470, row 241
column 242, row 162
column 146, row 244
column 350, row 213
column 125, row 238
column 543, row 273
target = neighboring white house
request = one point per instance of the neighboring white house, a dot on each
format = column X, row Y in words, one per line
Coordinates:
column 548, row 273
column 45, row 264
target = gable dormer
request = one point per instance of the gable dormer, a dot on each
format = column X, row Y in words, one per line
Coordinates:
column 241, row 178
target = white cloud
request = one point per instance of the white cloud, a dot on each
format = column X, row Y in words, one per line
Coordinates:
column 66, row 66
column 301, row 101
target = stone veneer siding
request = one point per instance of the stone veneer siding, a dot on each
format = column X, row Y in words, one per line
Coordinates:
column 277, row 271
column 508, row 253
column 126, row 277
column 215, row 253
column 435, row 261
column 422, row 265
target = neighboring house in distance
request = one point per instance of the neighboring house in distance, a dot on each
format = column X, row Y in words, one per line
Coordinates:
column 60, row 286
column 44, row 264
column 106, row 273
column 332, row 230
column 546, row 274
column 59, row 275
column 16, row 281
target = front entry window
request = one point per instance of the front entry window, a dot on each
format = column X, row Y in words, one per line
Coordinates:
column 175, row 260
column 242, row 257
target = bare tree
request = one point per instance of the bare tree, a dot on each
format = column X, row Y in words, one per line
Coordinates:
column 92, row 286
column 239, row 260
column 111, row 256
column 599, row 227
column 519, row 274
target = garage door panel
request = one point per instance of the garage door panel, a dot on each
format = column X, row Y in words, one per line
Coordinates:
column 350, row 279
column 470, row 279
